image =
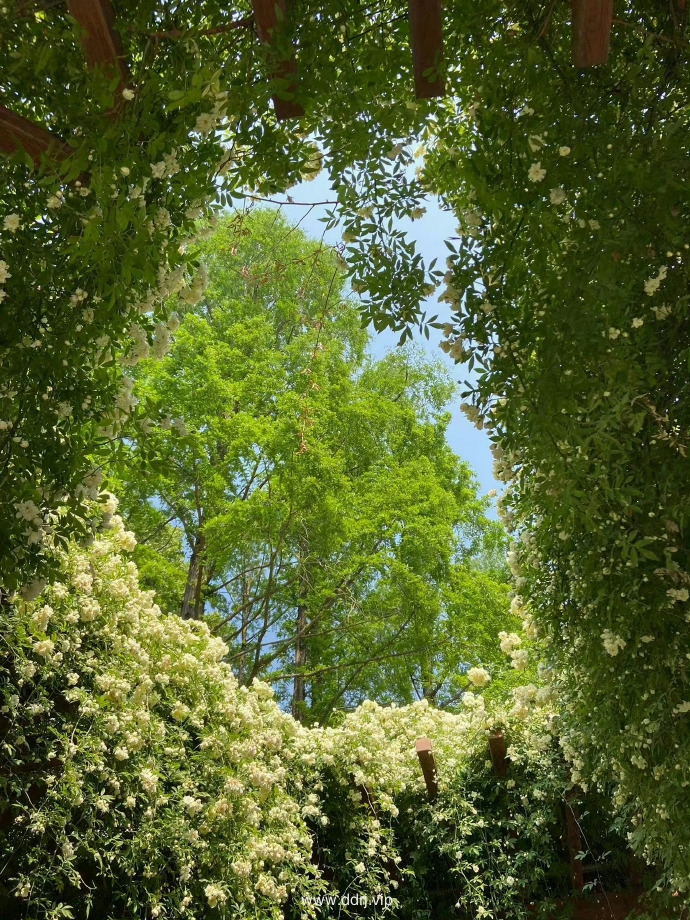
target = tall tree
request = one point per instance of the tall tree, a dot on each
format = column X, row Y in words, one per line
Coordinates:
column 303, row 496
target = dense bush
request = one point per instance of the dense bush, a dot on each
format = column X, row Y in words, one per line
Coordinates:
column 136, row 774
column 570, row 296
column 138, row 778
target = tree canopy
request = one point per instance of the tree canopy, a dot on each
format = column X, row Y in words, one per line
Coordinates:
column 303, row 495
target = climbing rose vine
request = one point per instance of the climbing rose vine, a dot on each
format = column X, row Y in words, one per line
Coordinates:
column 137, row 776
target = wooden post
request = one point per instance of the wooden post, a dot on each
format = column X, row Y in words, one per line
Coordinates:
column 572, row 822
column 266, row 16
column 592, row 23
column 100, row 41
column 426, row 38
column 428, row 765
column 18, row 133
column 499, row 754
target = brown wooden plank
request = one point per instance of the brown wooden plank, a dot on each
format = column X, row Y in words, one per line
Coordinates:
column 101, row 43
column 18, row 133
column 499, row 754
column 572, row 822
column 267, row 20
column 426, row 38
column 428, row 765
column 592, row 22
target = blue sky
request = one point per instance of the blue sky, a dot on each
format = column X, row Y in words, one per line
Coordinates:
column 429, row 232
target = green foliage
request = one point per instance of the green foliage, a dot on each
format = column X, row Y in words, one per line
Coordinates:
column 570, row 292
column 92, row 247
column 569, row 286
column 330, row 533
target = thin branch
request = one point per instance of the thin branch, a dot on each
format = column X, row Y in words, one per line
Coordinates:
column 643, row 31
column 245, row 23
column 302, row 204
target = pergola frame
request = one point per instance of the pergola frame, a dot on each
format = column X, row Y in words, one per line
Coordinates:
column 102, row 46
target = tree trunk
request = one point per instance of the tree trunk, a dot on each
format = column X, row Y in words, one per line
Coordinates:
column 244, row 633
column 192, row 606
column 427, row 677
column 299, row 688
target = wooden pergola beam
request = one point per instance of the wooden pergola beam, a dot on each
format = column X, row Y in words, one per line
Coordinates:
column 428, row 764
column 100, row 41
column 592, row 23
column 426, row 38
column 18, row 133
column 267, row 21
column 498, row 749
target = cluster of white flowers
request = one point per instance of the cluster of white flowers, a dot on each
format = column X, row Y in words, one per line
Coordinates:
column 510, row 645
column 455, row 348
column 165, row 743
column 4, row 275
column 612, row 643
column 12, row 223
column 160, row 676
column 193, row 293
column 29, row 512
column 536, row 172
column 651, row 285
column 478, row 677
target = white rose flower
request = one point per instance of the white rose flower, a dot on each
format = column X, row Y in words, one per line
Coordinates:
column 478, row 677
column 44, row 648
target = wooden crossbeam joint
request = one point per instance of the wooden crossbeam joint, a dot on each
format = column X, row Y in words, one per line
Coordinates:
column 592, row 23
column 426, row 38
column 267, row 21
column 19, row 133
column 428, row 764
column 101, row 43
column 498, row 749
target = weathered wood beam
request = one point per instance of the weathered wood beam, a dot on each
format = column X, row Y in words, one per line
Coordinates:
column 101, row 43
column 267, row 21
column 592, row 23
column 18, row 133
column 499, row 754
column 426, row 37
column 428, row 764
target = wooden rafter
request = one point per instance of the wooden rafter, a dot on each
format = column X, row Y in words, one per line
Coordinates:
column 426, row 38
column 18, row 133
column 101, row 43
column 268, row 14
column 592, row 23
column 428, row 764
